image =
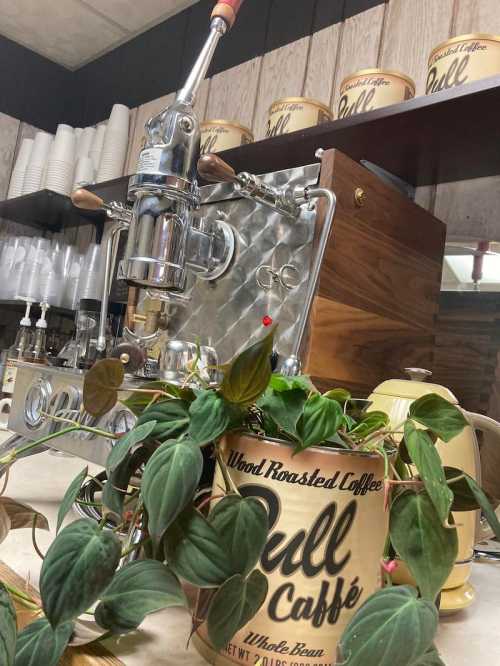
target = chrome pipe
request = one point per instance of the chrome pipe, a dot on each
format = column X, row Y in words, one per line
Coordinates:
column 292, row 365
column 117, row 228
column 187, row 94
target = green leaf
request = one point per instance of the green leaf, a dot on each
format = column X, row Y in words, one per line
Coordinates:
column 125, row 444
column 234, row 604
column 77, row 568
column 338, row 394
column 321, row 419
column 136, row 590
column 195, row 551
column 115, row 488
column 392, row 628
column 70, row 496
column 370, row 423
column 280, row 383
column 209, row 418
column 243, row 526
column 169, row 482
column 430, row 658
column 39, row 644
column 101, row 384
column 428, row 463
column 418, row 535
column 439, row 415
column 284, row 409
column 484, row 503
column 463, row 497
column 172, row 417
column 249, row 373
column 137, row 402
column 8, row 628
column 22, row 515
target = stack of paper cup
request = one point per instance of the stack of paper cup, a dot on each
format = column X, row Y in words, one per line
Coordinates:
column 60, row 167
column 84, row 173
column 96, row 147
column 114, row 150
column 85, row 142
column 34, row 171
column 19, row 170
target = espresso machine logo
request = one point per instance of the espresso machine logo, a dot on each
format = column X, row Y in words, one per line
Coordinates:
column 360, row 104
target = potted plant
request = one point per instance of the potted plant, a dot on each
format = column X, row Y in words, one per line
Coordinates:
column 218, row 547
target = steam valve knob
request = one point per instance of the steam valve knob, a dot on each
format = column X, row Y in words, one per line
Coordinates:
column 214, row 170
column 86, row 200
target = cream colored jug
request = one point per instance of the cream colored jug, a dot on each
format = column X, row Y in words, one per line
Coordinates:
column 395, row 397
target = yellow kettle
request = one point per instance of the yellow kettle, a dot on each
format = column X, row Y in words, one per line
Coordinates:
column 394, row 397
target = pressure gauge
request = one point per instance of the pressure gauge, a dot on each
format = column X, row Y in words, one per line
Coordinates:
column 36, row 403
column 121, row 421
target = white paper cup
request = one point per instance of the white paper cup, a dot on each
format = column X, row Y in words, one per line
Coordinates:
column 85, row 142
column 84, row 172
column 40, row 150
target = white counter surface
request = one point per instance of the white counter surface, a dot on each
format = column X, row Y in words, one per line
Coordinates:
column 470, row 637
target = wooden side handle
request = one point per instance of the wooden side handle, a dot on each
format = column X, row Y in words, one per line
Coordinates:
column 214, row 170
column 227, row 10
column 86, row 200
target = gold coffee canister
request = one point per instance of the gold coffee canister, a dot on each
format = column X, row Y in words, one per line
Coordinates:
column 322, row 559
column 463, row 59
column 295, row 113
column 219, row 135
column 371, row 89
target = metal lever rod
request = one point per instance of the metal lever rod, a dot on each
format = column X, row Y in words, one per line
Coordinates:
column 214, row 170
column 292, row 365
column 187, row 94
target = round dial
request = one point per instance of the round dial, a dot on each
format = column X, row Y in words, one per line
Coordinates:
column 37, row 403
column 121, row 422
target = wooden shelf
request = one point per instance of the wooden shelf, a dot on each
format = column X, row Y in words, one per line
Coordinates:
column 450, row 135
column 49, row 211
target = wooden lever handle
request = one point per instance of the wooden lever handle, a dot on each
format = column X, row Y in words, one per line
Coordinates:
column 214, row 170
column 227, row 10
column 86, row 200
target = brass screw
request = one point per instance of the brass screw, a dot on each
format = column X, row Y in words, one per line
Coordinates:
column 124, row 358
column 359, row 197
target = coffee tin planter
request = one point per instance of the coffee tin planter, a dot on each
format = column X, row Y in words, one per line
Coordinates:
column 463, row 59
column 322, row 558
column 218, row 135
column 371, row 89
column 295, row 113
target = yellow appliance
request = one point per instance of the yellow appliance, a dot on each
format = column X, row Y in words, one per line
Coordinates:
column 395, row 397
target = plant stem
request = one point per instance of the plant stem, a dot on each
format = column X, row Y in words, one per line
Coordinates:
column 228, row 482
column 5, row 481
column 33, row 538
column 455, row 479
column 131, row 549
column 6, row 460
column 206, row 501
column 23, row 598
column 95, row 431
column 85, row 503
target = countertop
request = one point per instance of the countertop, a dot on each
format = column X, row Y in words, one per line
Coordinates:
column 470, row 637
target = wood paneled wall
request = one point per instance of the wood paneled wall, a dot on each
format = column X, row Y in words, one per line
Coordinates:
column 398, row 35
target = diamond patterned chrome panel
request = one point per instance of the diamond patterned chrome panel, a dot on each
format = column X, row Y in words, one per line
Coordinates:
column 227, row 313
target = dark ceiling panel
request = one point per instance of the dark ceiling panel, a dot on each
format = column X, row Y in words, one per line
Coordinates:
column 289, row 21
column 328, row 12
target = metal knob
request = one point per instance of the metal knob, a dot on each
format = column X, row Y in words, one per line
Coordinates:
column 418, row 374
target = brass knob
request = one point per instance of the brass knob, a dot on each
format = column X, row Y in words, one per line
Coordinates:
column 359, row 197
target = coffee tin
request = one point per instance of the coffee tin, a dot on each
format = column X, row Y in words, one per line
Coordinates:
column 322, row 558
column 219, row 135
column 295, row 113
column 371, row 89
column 463, row 59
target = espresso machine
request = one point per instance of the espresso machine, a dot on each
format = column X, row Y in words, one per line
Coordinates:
column 226, row 259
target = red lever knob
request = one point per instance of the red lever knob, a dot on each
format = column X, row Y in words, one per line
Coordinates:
column 227, row 10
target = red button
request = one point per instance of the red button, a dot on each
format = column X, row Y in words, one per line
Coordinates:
column 267, row 320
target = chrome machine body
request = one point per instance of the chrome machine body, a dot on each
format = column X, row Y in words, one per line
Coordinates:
column 226, row 258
